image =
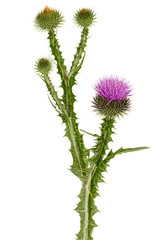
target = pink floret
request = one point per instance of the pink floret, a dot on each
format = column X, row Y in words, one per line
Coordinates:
column 113, row 89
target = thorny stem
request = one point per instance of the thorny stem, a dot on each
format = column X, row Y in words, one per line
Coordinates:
column 75, row 145
column 62, row 70
column 86, row 207
column 68, row 97
column 80, row 51
column 100, row 149
column 54, row 94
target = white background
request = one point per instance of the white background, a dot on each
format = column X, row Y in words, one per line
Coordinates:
column 37, row 191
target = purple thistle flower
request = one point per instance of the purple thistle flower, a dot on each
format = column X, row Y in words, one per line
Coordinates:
column 113, row 89
column 112, row 97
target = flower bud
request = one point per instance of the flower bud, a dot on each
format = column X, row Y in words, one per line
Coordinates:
column 48, row 19
column 112, row 97
column 84, row 17
column 43, row 66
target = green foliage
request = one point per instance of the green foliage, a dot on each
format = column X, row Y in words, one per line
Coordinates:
column 88, row 169
column 112, row 154
column 48, row 19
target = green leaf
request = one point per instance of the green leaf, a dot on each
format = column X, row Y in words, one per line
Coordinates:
column 94, row 135
column 112, row 154
column 126, row 150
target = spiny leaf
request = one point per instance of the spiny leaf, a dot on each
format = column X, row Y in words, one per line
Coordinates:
column 126, row 150
column 112, row 154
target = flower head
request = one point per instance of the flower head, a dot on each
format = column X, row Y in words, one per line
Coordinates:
column 43, row 66
column 112, row 97
column 48, row 19
column 85, row 17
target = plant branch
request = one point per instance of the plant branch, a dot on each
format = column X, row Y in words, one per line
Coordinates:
column 54, row 94
column 76, row 65
column 94, row 135
column 86, row 207
column 78, row 167
column 62, row 70
column 112, row 154
column 54, row 106
column 72, row 131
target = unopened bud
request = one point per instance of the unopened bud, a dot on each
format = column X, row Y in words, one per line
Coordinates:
column 43, row 66
column 85, row 17
column 48, row 19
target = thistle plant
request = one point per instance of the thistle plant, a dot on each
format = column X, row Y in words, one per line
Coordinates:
column 112, row 99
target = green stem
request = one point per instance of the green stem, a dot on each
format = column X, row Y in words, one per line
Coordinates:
column 76, row 64
column 86, row 207
column 102, row 141
column 89, row 191
column 55, row 49
column 54, row 94
column 75, row 149
column 62, row 70
column 72, row 131
column 91, row 134
column 68, row 98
